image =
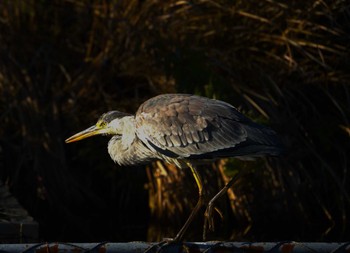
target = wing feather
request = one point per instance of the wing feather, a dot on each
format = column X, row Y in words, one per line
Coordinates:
column 188, row 125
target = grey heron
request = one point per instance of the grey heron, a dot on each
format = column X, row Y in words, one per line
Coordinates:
column 180, row 129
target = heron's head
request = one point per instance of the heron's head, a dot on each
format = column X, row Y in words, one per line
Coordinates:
column 110, row 123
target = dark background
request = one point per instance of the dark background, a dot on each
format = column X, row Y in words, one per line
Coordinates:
column 282, row 63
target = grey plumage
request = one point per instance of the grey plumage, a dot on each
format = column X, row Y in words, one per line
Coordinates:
column 202, row 128
column 175, row 127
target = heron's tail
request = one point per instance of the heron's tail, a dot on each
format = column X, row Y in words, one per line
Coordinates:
column 261, row 141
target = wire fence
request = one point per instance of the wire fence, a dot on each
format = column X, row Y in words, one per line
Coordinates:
column 195, row 247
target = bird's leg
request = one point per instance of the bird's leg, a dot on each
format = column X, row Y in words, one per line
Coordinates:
column 197, row 177
column 179, row 237
column 208, row 219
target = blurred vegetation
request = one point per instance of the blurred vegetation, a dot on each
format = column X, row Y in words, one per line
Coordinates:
column 283, row 63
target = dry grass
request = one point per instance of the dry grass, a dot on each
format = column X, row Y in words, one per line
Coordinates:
column 285, row 64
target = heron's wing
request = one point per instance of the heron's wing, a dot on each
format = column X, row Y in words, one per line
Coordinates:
column 187, row 125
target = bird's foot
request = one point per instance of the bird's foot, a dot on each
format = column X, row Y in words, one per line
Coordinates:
column 166, row 243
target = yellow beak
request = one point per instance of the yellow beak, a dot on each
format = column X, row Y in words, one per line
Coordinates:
column 91, row 131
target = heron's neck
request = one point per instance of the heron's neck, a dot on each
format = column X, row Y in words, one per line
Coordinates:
column 124, row 147
column 126, row 128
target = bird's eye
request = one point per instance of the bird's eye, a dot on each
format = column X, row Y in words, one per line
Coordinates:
column 101, row 124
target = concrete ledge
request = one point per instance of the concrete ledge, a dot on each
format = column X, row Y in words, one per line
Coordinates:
column 205, row 247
